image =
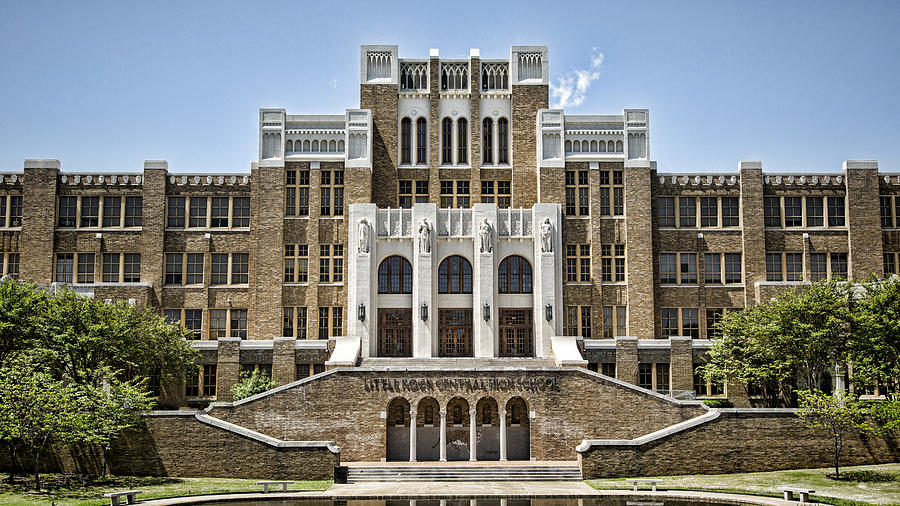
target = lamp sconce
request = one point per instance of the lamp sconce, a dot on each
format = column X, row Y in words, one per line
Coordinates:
column 699, row 235
column 361, row 312
column 423, row 312
column 548, row 312
column 486, row 311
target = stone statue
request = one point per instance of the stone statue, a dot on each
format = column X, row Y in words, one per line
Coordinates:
column 486, row 236
column 546, row 236
column 364, row 236
column 425, row 237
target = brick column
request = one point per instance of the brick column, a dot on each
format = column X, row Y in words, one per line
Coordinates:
column 228, row 369
column 284, row 367
column 434, row 126
column 526, row 101
column 266, row 250
column 383, row 101
column 737, row 394
column 38, row 220
column 475, row 124
column 153, row 227
column 681, row 363
column 863, row 219
column 627, row 359
column 172, row 393
column 639, row 252
column 754, row 235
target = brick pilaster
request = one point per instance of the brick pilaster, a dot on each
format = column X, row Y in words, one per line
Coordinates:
column 383, row 101
column 526, row 101
column 863, row 219
column 284, row 367
column 266, row 250
column 754, row 235
column 681, row 363
column 627, row 359
column 153, row 226
column 38, row 220
column 639, row 252
column 228, row 369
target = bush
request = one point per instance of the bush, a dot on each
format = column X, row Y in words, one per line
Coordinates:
column 865, row 476
column 252, row 384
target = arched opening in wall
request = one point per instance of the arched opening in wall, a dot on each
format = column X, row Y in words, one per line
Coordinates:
column 462, row 141
column 568, row 146
column 446, row 141
column 487, row 143
column 405, row 140
column 315, row 146
column 502, row 140
column 421, row 140
column 289, row 146
column 593, row 146
column 518, row 437
column 306, row 146
column 603, row 146
column 618, row 146
column 428, row 430
column 487, row 434
column 457, row 429
column 332, row 146
column 397, row 438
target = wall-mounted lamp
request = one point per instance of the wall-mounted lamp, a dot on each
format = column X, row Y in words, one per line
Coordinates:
column 423, row 312
column 361, row 312
column 548, row 312
column 699, row 235
column 486, row 311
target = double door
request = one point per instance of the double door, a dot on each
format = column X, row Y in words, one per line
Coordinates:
column 395, row 332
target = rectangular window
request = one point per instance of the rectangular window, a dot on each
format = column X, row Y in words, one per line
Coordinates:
column 193, row 320
column 192, row 384
column 331, row 263
column 112, row 211
column 709, row 211
column 578, row 321
column 296, row 193
column 606, row 263
column 174, row 269
column 887, row 209
column 219, row 269
column 111, row 267
column 175, row 212
column 218, row 325
column 238, row 323
column 839, row 265
column 194, row 269
column 713, row 317
column 90, row 212
column 240, row 212
column 890, row 263
column 665, row 211
column 85, row 268
column 614, row 321
column 12, row 265
column 578, row 263
column 64, row 266
column 621, row 320
column 332, row 191
column 576, row 187
column 645, row 376
column 608, row 369
column 240, row 268
column 772, row 211
column 793, row 266
column 612, row 255
column 134, row 211
column 773, row 267
column 793, row 212
column 405, row 194
column 612, row 193
column 662, row 377
column 818, row 266
column 197, row 216
column 330, row 321
column 294, row 322
column 607, row 323
column 688, row 268
column 131, row 268
column 815, row 212
column 498, row 192
column 669, row 321
column 687, row 212
column 690, row 322
column 67, row 210
column 668, row 268
column 733, row 268
column 218, row 211
column 209, row 380
column 730, row 211
column 712, row 267
column 836, row 212
column 296, row 263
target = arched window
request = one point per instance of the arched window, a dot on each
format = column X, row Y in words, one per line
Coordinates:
column 618, row 146
column 446, row 141
column 487, row 148
column 455, row 275
column 603, row 146
column 421, row 140
column 593, row 146
column 332, row 146
column 306, row 146
column 503, row 140
column 289, row 146
column 462, row 141
column 395, row 275
column 514, row 275
column 315, row 146
column 568, row 146
column 405, row 140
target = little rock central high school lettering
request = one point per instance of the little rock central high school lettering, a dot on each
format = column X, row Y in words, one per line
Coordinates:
column 515, row 384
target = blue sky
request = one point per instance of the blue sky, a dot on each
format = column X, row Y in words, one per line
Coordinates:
column 104, row 85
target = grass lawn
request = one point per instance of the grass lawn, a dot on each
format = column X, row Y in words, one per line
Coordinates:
column 68, row 489
column 827, row 490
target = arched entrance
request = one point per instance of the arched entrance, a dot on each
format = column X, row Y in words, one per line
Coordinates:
column 428, row 430
column 457, row 435
column 397, row 430
column 518, row 436
column 487, row 422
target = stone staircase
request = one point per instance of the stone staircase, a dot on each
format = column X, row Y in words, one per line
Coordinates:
column 563, row 471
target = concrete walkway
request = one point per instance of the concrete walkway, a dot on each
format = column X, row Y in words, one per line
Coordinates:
column 475, row 490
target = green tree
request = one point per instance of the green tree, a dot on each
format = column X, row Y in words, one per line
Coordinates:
column 22, row 310
column 252, row 384
column 875, row 340
column 37, row 410
column 836, row 415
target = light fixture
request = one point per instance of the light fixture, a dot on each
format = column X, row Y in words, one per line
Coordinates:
column 486, row 311
column 548, row 312
column 423, row 312
column 361, row 312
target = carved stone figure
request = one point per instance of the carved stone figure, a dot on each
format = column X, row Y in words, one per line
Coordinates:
column 425, row 237
column 364, row 236
column 546, row 236
column 486, row 236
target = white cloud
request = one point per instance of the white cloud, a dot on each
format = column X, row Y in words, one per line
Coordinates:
column 334, row 84
column 571, row 87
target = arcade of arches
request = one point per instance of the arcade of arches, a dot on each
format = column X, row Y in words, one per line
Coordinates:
column 427, row 431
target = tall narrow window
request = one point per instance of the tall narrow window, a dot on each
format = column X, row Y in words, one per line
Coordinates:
column 405, row 140
column 112, row 211
column 134, row 211
column 421, row 140
column 487, row 145
column 90, row 211
column 462, row 141
column 67, row 207
column 503, row 140
column 447, row 141
column 175, row 212
column 296, row 193
column 332, row 188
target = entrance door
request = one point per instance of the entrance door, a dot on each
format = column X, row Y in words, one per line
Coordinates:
column 455, row 328
column 394, row 332
column 516, row 336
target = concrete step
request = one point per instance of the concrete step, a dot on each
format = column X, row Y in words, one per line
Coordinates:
column 474, row 472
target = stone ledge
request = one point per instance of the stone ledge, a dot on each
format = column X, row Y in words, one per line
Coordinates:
column 653, row 436
column 262, row 438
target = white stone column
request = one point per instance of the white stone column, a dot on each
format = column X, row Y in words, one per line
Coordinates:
column 412, row 435
column 423, row 283
column 502, row 434
column 484, row 273
column 472, row 436
column 361, row 282
column 443, row 442
column 548, row 276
